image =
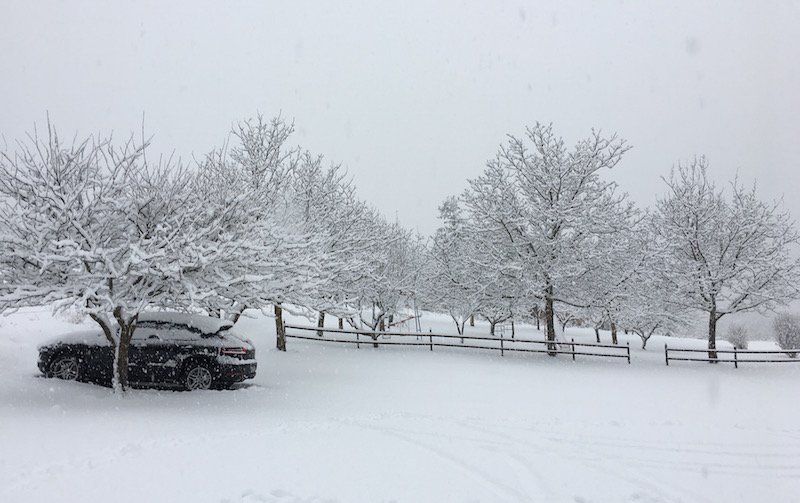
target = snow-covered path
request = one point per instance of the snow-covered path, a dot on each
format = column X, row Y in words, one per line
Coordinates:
column 331, row 423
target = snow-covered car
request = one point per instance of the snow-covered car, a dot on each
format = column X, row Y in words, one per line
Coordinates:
column 167, row 349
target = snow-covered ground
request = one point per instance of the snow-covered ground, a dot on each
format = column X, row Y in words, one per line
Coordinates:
column 333, row 423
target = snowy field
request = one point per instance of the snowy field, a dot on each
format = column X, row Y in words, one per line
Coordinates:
column 325, row 423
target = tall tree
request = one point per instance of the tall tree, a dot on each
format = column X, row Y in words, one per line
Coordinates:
column 334, row 217
column 541, row 206
column 728, row 253
column 255, row 177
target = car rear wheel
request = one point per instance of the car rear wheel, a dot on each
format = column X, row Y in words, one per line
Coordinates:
column 65, row 367
column 197, row 376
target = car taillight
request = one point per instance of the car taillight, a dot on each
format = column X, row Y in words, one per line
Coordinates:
column 233, row 351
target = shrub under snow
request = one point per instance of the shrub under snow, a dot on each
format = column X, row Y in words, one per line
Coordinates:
column 738, row 335
column 786, row 327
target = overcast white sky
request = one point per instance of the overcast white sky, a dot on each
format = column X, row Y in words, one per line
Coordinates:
column 414, row 97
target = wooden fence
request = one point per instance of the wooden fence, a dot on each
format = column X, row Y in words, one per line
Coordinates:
column 431, row 340
column 738, row 356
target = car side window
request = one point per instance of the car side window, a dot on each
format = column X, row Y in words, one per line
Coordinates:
column 165, row 332
column 143, row 335
column 181, row 334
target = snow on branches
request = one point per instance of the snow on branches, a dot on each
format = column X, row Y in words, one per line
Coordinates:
column 727, row 253
column 539, row 208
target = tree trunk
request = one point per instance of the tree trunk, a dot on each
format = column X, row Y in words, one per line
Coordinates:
column 550, row 323
column 122, row 360
column 491, row 327
column 712, row 334
column 613, row 333
column 126, row 329
column 321, row 323
column 341, row 324
column 472, row 320
column 280, row 330
column 459, row 326
column 597, row 334
column 513, row 330
column 391, row 320
column 538, row 327
column 381, row 325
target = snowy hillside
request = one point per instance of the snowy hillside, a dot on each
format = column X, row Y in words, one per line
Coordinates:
column 331, row 423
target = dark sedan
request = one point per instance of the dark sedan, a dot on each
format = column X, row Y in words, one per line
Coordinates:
column 167, row 349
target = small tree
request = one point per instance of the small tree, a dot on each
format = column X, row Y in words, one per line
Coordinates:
column 786, row 327
column 738, row 335
column 453, row 284
column 392, row 272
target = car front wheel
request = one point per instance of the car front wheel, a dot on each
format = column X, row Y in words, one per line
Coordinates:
column 65, row 367
column 197, row 376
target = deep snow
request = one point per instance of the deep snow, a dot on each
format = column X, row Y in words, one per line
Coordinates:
column 335, row 423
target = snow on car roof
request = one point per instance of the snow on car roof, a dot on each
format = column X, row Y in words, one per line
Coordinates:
column 87, row 337
column 205, row 324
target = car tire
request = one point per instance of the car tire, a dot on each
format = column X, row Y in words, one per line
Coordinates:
column 66, row 367
column 198, row 375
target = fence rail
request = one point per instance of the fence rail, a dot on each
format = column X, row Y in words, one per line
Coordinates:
column 432, row 340
column 739, row 355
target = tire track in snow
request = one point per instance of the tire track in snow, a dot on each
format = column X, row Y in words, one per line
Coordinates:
column 633, row 463
column 657, row 492
column 488, row 480
column 654, row 491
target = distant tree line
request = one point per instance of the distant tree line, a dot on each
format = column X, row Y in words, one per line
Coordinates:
column 542, row 233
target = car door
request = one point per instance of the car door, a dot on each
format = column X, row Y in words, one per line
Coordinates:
column 179, row 344
column 156, row 354
column 138, row 357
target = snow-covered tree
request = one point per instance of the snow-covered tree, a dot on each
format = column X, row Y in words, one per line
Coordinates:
column 256, row 179
column 786, row 328
column 738, row 335
column 453, row 285
column 649, row 309
column 727, row 253
column 540, row 208
column 392, row 274
column 281, row 260
column 92, row 227
column 332, row 213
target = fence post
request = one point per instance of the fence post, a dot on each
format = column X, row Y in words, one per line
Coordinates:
column 573, row 349
column 358, row 342
column 735, row 358
column 430, row 338
column 501, row 346
column 666, row 354
column 628, row 344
